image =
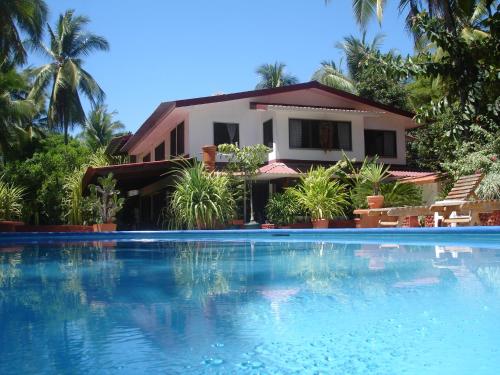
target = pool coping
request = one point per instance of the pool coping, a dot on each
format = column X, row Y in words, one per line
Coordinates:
column 488, row 237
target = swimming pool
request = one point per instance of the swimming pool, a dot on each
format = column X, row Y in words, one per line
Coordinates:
column 273, row 302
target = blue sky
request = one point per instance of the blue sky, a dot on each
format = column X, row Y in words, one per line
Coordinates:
column 166, row 50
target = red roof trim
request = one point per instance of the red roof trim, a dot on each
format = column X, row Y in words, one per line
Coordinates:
column 165, row 108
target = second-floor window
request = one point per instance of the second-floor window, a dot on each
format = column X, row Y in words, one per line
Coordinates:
column 160, row 151
column 177, row 140
column 268, row 133
column 146, row 158
column 225, row 132
column 320, row 134
column 381, row 143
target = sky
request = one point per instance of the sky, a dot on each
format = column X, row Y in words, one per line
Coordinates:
column 163, row 50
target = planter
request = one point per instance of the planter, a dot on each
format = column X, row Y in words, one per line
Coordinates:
column 320, row 223
column 342, row 223
column 411, row 222
column 267, row 226
column 490, row 219
column 303, row 225
column 108, row 227
column 375, row 201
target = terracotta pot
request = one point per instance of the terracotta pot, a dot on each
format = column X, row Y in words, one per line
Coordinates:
column 108, row 227
column 320, row 223
column 209, row 153
column 267, row 226
column 375, row 201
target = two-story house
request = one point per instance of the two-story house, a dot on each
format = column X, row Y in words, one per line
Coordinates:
column 303, row 124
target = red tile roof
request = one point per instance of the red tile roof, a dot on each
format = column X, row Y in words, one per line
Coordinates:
column 277, row 168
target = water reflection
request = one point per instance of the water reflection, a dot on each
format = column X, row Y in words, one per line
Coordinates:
column 89, row 306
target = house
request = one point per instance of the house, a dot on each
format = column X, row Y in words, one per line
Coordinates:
column 304, row 124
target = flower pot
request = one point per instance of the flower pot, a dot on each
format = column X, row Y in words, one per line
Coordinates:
column 108, row 227
column 375, row 201
column 320, row 223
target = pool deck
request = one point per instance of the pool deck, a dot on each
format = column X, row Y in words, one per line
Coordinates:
column 488, row 237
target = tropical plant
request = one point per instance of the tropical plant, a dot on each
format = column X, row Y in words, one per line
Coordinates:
column 321, row 195
column 396, row 194
column 273, row 75
column 77, row 208
column 328, row 74
column 17, row 17
column 200, row 199
column 374, row 173
column 246, row 162
column 282, row 208
column 108, row 201
column 69, row 43
column 100, row 127
column 11, row 200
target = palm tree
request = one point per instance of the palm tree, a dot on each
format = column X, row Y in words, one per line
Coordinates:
column 273, row 75
column 328, row 74
column 65, row 74
column 15, row 110
column 100, row 127
column 18, row 16
column 357, row 50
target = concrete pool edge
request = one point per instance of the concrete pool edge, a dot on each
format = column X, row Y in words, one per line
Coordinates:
column 459, row 236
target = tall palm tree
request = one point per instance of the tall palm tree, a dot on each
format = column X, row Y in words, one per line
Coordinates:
column 69, row 43
column 100, row 127
column 357, row 50
column 273, row 75
column 16, row 17
column 328, row 74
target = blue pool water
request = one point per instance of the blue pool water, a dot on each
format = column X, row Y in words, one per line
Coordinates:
column 282, row 303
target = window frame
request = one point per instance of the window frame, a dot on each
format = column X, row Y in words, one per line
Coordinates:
column 395, row 156
column 320, row 120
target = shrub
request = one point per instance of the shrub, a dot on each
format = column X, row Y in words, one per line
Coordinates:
column 396, row 194
column 106, row 198
column 282, row 208
column 11, row 201
column 201, row 199
column 320, row 195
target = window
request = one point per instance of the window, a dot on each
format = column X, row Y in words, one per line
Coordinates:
column 381, row 143
column 133, row 159
column 160, row 151
column 146, row 158
column 268, row 133
column 320, row 134
column 226, row 133
column 177, row 140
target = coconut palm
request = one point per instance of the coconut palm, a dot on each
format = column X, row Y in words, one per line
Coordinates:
column 328, row 74
column 69, row 42
column 357, row 50
column 15, row 110
column 100, row 127
column 16, row 17
column 273, row 75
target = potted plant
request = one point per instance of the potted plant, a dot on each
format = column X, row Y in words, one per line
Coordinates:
column 282, row 209
column 321, row 196
column 107, row 203
column 374, row 173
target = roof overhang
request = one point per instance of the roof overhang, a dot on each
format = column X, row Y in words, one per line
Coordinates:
column 309, row 108
column 134, row 175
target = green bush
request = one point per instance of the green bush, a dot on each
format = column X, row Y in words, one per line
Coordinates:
column 320, row 195
column 396, row 194
column 201, row 199
column 282, row 208
column 11, row 201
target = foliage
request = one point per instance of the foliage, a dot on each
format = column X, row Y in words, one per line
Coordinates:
column 106, row 198
column 201, row 199
column 320, row 195
column 11, row 200
column 273, row 75
column 43, row 176
column 374, row 174
column 328, row 74
column 282, row 208
column 65, row 74
column 100, row 127
column 396, row 194
column 18, row 16
column 245, row 161
column 78, row 209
